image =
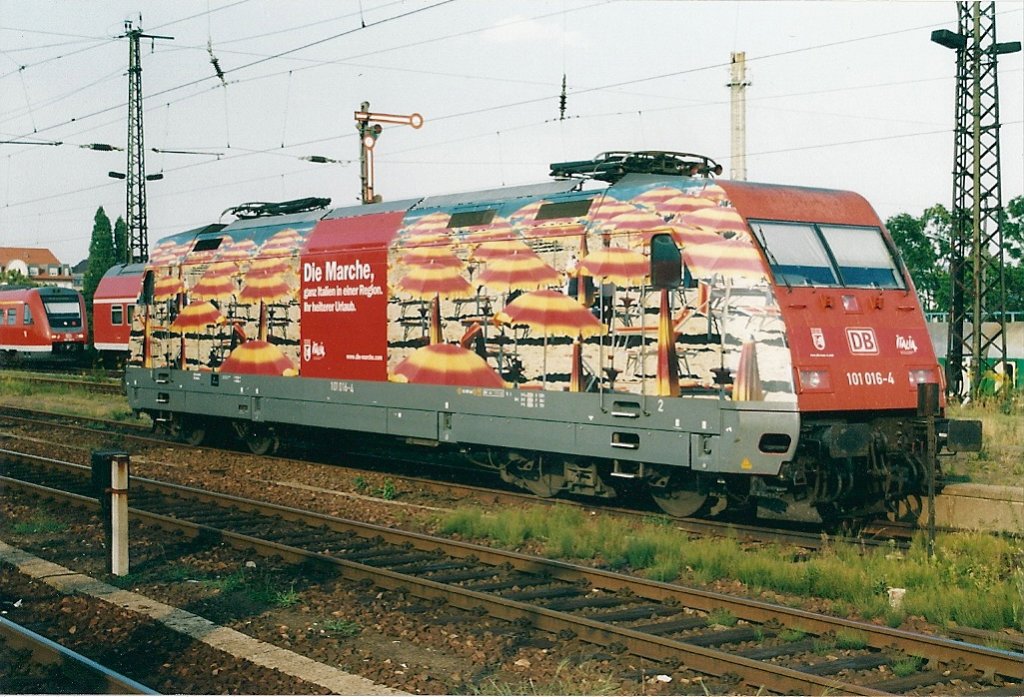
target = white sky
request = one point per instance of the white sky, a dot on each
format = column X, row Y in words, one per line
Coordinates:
column 849, row 95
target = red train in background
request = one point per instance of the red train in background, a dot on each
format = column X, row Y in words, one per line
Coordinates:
column 113, row 307
column 41, row 324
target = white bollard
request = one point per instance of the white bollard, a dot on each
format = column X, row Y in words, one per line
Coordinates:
column 119, row 515
column 896, row 597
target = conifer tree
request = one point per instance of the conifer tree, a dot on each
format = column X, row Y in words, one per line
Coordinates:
column 101, row 255
column 121, row 253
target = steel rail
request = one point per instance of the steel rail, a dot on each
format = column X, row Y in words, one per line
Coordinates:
column 986, row 660
column 47, row 652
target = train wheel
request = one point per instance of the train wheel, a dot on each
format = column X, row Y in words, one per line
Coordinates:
column 678, row 494
column 193, row 432
column 535, row 475
column 261, row 440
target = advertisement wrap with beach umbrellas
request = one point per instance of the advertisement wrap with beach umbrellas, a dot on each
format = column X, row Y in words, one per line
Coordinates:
column 530, row 292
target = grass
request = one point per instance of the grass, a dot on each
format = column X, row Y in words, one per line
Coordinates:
column 582, row 679
column 339, row 627
column 21, row 393
column 974, row 579
column 39, row 524
column 1001, row 460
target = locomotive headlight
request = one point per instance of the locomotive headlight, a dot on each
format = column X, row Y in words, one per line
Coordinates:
column 815, row 380
column 920, row 376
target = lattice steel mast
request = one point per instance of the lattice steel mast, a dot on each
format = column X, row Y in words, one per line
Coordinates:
column 976, row 320
column 137, row 248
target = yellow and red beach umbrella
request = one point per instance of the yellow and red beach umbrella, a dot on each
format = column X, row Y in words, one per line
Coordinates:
column 616, row 264
column 668, row 362
column 258, row 358
column 237, row 251
column 194, row 319
column 499, row 248
column 263, row 287
column 436, row 255
column 218, row 283
column 747, row 386
column 283, row 242
column 431, row 223
column 447, row 364
column 735, row 257
column 271, row 265
column 518, row 271
column 167, row 288
column 433, row 281
column 675, row 207
column 497, row 230
column 717, row 218
column 653, row 198
column 553, row 314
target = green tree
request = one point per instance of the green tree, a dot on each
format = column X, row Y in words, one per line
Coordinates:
column 101, row 255
column 920, row 241
column 14, row 277
column 121, row 251
column 1013, row 254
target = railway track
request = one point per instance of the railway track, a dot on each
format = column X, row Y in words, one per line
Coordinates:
column 745, row 644
column 880, row 534
column 44, row 666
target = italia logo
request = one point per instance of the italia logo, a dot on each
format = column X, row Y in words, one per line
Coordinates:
column 862, row 341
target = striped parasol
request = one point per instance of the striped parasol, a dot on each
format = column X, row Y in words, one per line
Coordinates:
column 283, row 242
column 747, row 387
column 240, row 250
column 270, row 265
column 717, row 218
column 193, row 319
column 218, row 283
column 447, row 364
column 652, row 199
column 553, row 314
column 616, row 264
column 196, row 317
column 431, row 223
column 263, row 287
column 433, row 280
column 499, row 248
column 258, row 358
column 724, row 257
column 167, row 288
column 436, row 255
column 518, row 271
column 673, row 208
column 498, row 229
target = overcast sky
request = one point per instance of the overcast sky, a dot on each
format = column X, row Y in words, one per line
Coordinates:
column 849, row 95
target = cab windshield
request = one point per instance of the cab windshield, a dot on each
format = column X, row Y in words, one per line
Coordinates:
column 803, row 254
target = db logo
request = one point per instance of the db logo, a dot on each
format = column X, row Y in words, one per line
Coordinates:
column 862, row 340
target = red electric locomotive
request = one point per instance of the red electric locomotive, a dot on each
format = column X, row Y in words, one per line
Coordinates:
column 712, row 342
column 41, row 323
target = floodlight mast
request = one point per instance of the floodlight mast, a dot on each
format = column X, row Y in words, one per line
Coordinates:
column 977, row 210
column 368, row 135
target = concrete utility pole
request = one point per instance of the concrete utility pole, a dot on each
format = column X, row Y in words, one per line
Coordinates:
column 738, row 113
column 977, row 322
